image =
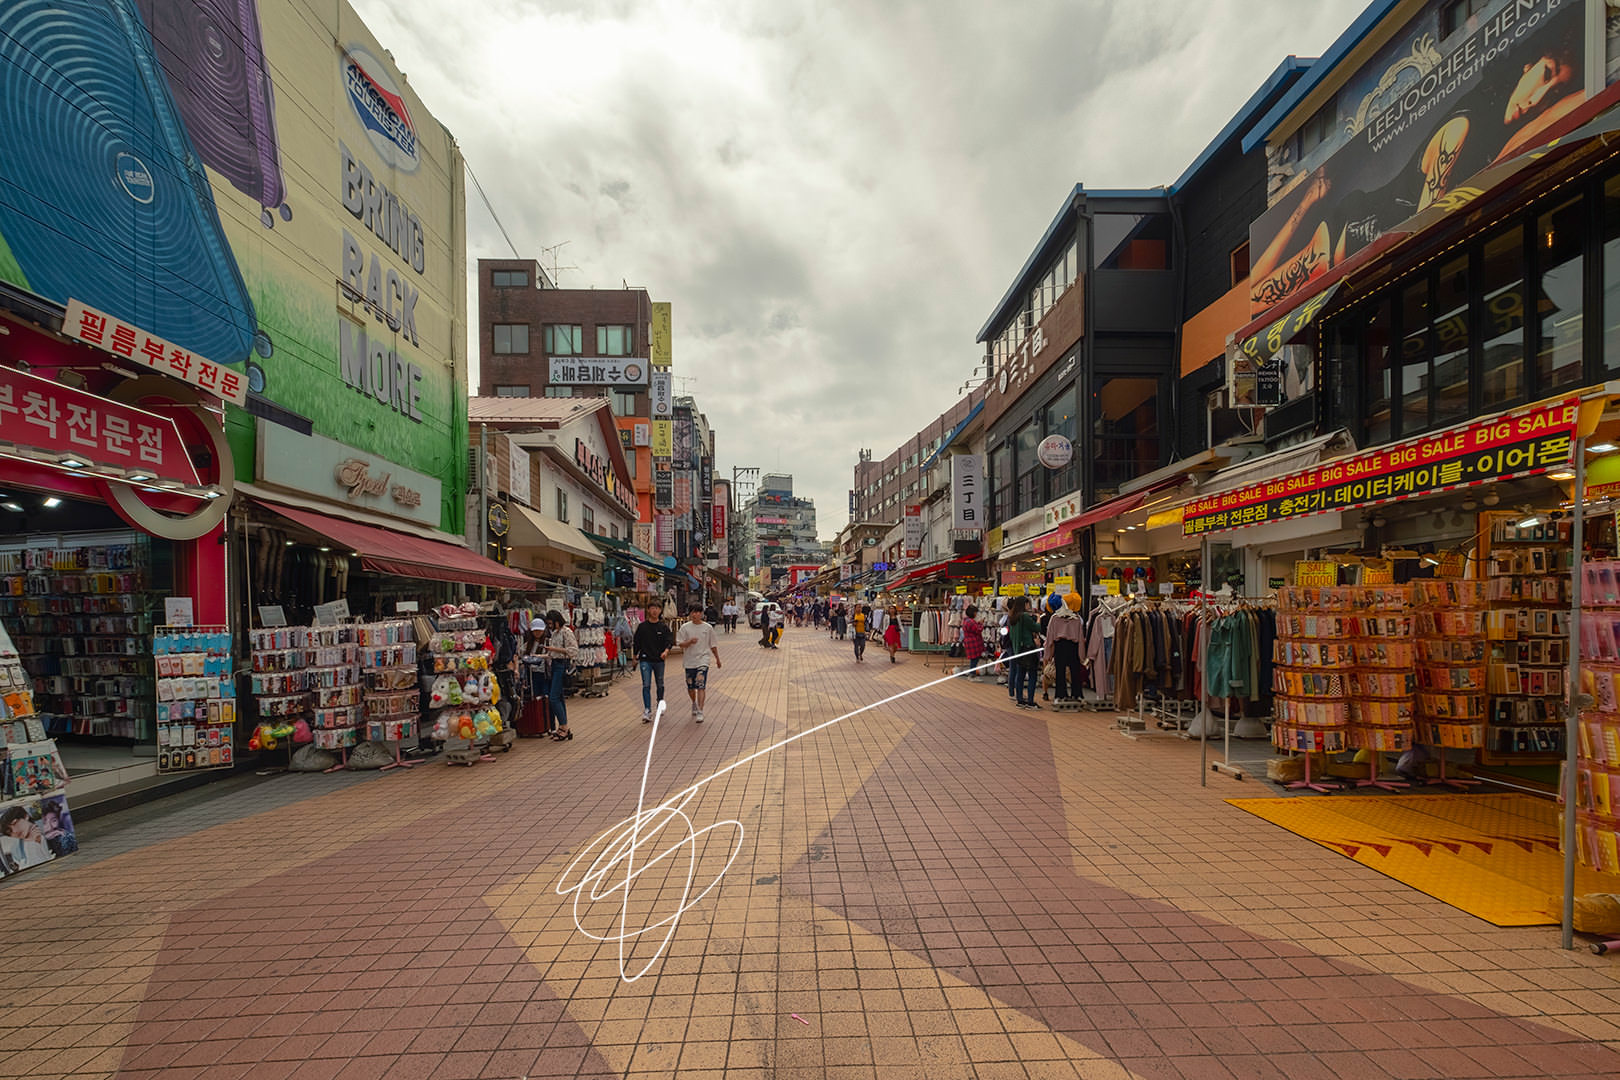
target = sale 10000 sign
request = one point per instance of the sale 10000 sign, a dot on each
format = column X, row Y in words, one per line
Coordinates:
column 1497, row 448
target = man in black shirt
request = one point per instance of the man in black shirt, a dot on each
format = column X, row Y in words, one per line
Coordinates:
column 650, row 645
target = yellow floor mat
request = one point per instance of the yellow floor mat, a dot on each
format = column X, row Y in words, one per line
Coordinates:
column 1493, row 856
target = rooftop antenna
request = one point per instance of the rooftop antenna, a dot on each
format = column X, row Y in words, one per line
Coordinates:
column 681, row 381
column 553, row 252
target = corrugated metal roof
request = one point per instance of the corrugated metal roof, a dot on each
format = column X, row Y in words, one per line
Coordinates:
column 531, row 410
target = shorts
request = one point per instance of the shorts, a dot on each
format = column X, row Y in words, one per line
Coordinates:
column 697, row 678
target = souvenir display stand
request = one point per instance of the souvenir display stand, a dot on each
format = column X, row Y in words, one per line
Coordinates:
column 461, row 690
column 196, row 698
column 1528, row 579
column 84, row 633
column 33, row 781
column 307, row 675
column 593, row 675
column 391, row 698
column 1314, row 660
column 1449, row 620
column 1383, row 683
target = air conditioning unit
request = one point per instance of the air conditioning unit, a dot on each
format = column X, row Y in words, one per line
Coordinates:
column 475, row 470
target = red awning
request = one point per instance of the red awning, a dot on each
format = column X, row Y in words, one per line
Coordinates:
column 936, row 568
column 384, row 551
column 1122, row 504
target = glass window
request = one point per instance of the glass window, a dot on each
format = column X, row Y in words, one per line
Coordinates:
column 1414, row 304
column 1450, row 342
column 1319, row 128
column 1131, row 241
column 1125, row 430
column 562, row 505
column 1240, row 264
column 624, row 402
column 511, row 391
column 1375, row 366
column 1071, row 261
column 1560, row 243
column 564, row 340
column 559, row 391
column 1611, row 273
column 1061, row 419
column 587, row 519
column 1001, row 480
column 1028, row 495
column 511, row 338
column 509, row 279
column 615, row 340
column 1501, row 285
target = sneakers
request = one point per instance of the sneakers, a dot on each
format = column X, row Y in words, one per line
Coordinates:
column 646, row 716
column 697, row 715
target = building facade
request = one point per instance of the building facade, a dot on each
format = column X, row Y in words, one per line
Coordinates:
column 777, row 529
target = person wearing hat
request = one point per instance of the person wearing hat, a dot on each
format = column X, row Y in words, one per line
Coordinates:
column 650, row 646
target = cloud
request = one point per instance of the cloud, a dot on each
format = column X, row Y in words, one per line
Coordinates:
column 832, row 193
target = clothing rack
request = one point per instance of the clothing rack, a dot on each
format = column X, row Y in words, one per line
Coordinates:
column 1223, row 606
column 1167, row 712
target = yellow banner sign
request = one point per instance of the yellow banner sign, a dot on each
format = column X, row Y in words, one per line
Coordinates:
column 661, row 349
column 1316, row 575
column 663, row 438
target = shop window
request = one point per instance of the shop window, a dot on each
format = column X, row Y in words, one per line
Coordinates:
column 509, row 279
column 511, row 391
column 615, row 340
column 1414, row 378
column 1611, row 274
column 562, row 505
column 1377, row 388
column 1560, row 246
column 1061, row 418
column 1131, row 241
column 1502, row 378
column 563, row 340
column 1125, row 431
column 1028, row 495
column 511, row 339
column 1001, row 481
column 1449, row 340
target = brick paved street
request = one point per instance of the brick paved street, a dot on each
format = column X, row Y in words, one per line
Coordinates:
column 943, row 886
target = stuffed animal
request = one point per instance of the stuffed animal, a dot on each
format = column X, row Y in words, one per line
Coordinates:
column 439, row 696
column 301, row 733
column 465, row 728
column 470, row 691
column 486, row 688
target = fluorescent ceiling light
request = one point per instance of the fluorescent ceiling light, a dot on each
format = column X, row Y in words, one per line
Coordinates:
column 1565, row 475
column 70, row 463
column 52, row 502
column 1602, row 448
column 1530, row 522
column 15, row 508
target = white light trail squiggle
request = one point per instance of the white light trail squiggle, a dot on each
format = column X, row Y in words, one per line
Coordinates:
column 618, row 847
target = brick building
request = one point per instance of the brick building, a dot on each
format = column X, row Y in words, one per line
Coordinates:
column 884, row 488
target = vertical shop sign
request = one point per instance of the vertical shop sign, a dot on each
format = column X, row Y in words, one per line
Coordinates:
column 659, row 399
column 663, row 486
column 664, row 534
column 685, row 439
column 967, row 485
column 914, row 531
column 662, row 349
column 517, row 471
column 718, row 517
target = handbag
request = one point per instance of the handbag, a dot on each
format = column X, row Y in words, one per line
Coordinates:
column 957, row 650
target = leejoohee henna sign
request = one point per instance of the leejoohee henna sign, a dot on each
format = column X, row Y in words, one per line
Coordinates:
column 1496, row 448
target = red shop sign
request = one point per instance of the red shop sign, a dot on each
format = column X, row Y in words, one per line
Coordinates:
column 41, row 414
column 112, row 334
column 718, row 530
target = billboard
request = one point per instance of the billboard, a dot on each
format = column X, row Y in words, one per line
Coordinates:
column 967, row 492
column 596, row 371
column 258, row 185
column 659, row 386
column 661, row 351
column 1412, row 125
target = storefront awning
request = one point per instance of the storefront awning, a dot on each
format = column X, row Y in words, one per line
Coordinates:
column 1064, row 534
column 623, row 549
column 530, row 529
column 384, row 551
column 1277, row 463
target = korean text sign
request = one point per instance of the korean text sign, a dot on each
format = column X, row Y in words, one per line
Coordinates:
column 1496, row 448
column 112, row 334
column 46, row 415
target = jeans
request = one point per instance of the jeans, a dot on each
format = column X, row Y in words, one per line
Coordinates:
column 860, row 645
column 1066, row 665
column 1022, row 682
column 559, row 677
column 651, row 670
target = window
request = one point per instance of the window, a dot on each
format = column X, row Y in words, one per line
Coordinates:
column 1061, row 419
column 1240, row 264
column 624, row 402
column 511, row 339
column 587, row 519
column 564, row 340
column 615, row 340
column 1320, row 128
column 1001, row 482
column 1454, row 15
column 1027, row 494
column 613, row 530
column 1131, row 241
column 1502, row 377
column 1414, row 378
column 1560, row 245
column 1450, row 342
column 562, row 505
column 511, row 391
column 1125, row 430
column 509, row 279
column 1611, row 273
column 559, row 391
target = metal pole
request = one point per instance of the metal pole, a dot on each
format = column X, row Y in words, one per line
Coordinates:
column 1572, row 717
column 483, row 492
column 1203, row 664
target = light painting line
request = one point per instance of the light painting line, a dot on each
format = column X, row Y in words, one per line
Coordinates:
column 620, row 842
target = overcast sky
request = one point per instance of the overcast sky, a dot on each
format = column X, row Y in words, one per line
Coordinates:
column 832, row 193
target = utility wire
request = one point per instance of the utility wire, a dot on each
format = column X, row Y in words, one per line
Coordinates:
column 488, row 206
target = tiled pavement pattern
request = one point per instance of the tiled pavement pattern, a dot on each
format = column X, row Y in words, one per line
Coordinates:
column 942, row 887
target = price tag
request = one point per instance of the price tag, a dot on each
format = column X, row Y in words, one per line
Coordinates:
column 178, row 611
column 272, row 615
column 1099, row 589
column 407, row 607
column 331, row 614
column 1167, row 588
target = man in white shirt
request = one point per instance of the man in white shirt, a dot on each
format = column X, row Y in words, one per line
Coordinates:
column 778, row 620
column 696, row 642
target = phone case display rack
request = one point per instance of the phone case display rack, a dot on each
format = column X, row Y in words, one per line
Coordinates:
column 30, row 767
column 462, row 692
column 392, row 698
column 83, row 622
column 196, row 698
column 1383, row 684
column 1310, row 677
column 1597, row 770
column 1452, row 652
column 310, row 674
column 1527, row 627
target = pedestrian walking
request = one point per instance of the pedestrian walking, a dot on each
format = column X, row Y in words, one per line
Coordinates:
column 891, row 639
column 563, row 649
column 1022, row 634
column 972, row 639
column 778, row 622
column 650, row 647
column 858, row 626
column 697, row 644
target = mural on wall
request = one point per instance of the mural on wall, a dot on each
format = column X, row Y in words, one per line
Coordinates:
column 1412, row 125
column 312, row 240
